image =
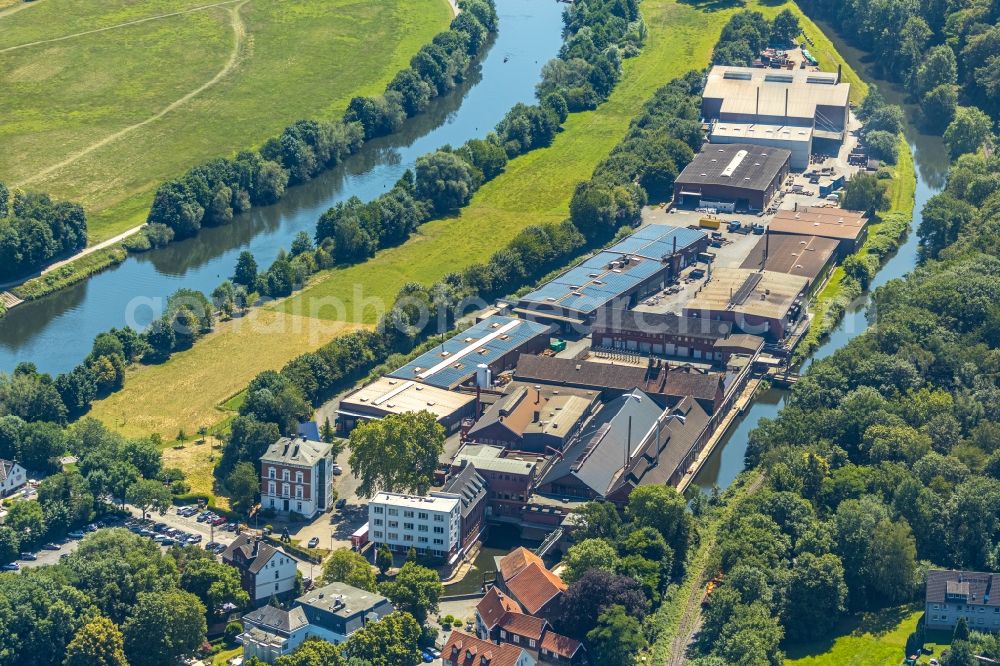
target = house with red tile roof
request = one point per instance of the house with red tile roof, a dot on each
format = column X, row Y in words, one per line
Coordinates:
column 524, row 577
column 466, row 650
column 500, row 619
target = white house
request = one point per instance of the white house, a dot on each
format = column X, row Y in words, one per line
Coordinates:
column 297, row 475
column 432, row 523
column 265, row 571
column 12, row 477
column 331, row 613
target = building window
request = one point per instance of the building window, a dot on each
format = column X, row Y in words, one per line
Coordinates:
column 298, row 507
column 422, row 539
column 276, row 588
column 270, row 473
column 407, row 514
column 393, row 523
column 270, row 487
column 439, row 541
column 393, row 512
column 284, row 490
column 393, row 536
column 517, row 639
column 422, row 515
column 407, row 526
column 298, row 477
column 275, row 575
column 378, row 521
column 377, row 534
column 407, row 537
column 438, row 530
column 531, row 642
column 503, row 634
column 421, row 528
column 438, row 518
column 379, row 509
column 284, row 475
column 298, row 492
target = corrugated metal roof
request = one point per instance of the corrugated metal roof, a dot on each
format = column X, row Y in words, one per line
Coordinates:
column 612, row 272
column 758, row 170
column 454, row 362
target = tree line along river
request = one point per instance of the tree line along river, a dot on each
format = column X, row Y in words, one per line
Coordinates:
column 56, row 332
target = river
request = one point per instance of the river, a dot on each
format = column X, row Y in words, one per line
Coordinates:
column 55, row 333
column 931, row 160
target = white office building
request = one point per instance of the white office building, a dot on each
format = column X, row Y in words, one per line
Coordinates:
column 432, row 524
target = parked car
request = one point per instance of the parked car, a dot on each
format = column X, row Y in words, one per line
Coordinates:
column 31, row 557
column 159, row 527
column 434, row 652
column 75, row 534
column 313, row 542
column 194, row 538
column 91, row 527
column 337, row 470
column 168, row 542
column 218, row 520
column 230, row 527
column 341, row 503
column 51, row 546
column 12, row 566
column 427, row 656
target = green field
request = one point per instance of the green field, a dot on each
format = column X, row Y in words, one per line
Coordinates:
column 202, row 78
column 535, row 188
column 869, row 639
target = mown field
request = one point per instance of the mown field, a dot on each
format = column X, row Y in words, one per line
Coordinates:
column 536, row 187
column 868, row 639
column 103, row 117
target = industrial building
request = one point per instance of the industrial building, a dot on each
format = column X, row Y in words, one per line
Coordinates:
column 785, row 98
column 659, row 334
column 848, row 227
column 810, row 257
column 761, row 303
column 796, row 140
column 534, row 418
column 389, row 395
column 488, row 348
column 732, row 177
column 632, row 441
column 622, row 274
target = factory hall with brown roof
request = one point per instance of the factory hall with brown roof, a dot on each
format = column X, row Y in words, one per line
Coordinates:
column 761, row 303
column 732, row 176
column 848, row 227
column 805, row 256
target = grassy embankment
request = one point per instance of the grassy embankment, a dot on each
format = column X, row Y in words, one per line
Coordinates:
column 287, row 62
column 535, row 188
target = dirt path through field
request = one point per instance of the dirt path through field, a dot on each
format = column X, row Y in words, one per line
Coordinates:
column 239, row 33
column 113, row 27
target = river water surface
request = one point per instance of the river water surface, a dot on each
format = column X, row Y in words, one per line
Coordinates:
column 55, row 333
column 931, row 159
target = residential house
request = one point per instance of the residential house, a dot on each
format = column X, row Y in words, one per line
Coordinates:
column 951, row 595
column 331, row 613
column 12, row 477
column 499, row 619
column 265, row 571
column 431, row 524
column 523, row 577
column 297, row 475
column 463, row 649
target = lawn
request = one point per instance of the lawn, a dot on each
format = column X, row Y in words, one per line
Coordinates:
column 869, row 639
column 186, row 391
column 279, row 62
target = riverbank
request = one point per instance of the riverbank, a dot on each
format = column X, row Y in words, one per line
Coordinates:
column 276, row 66
column 888, row 231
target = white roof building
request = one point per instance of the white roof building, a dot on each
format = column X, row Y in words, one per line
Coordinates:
column 430, row 523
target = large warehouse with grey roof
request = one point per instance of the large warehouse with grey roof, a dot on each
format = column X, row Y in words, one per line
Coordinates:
column 621, row 274
column 733, row 176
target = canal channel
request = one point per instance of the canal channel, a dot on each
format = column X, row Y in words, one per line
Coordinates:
column 55, row 333
column 931, row 160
